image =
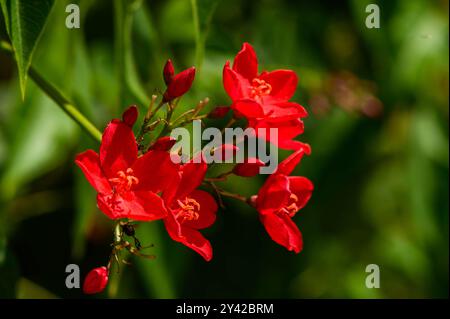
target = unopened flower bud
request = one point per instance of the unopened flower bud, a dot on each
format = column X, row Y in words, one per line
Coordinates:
column 130, row 115
column 96, row 280
column 219, row 112
column 225, row 151
column 180, row 84
column 249, row 168
column 164, row 143
column 168, row 72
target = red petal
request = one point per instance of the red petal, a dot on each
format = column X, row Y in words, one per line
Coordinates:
column 293, row 145
column 283, row 82
column 248, row 108
column 89, row 163
column 189, row 237
column 146, row 206
column 273, row 195
column 95, row 281
column 249, row 168
column 192, row 176
column 302, row 188
column 118, row 149
column 155, row 171
column 180, row 84
column 283, row 231
column 287, row 130
column 288, row 165
column 246, row 62
column 130, row 115
column 282, row 111
column 235, row 85
column 208, row 209
column 140, row 205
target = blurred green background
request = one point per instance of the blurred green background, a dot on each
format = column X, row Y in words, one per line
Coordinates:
column 378, row 127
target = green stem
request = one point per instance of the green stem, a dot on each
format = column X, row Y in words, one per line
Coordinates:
column 220, row 178
column 233, row 195
column 229, row 124
column 198, row 36
column 117, row 233
column 129, row 83
column 114, row 275
column 167, row 126
column 56, row 95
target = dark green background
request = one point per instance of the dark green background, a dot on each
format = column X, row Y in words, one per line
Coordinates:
column 378, row 127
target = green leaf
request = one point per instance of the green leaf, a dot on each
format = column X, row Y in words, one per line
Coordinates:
column 25, row 20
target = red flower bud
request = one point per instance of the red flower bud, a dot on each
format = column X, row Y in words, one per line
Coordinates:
column 96, row 280
column 130, row 115
column 226, row 151
column 164, row 143
column 219, row 112
column 249, row 168
column 180, row 84
column 168, row 72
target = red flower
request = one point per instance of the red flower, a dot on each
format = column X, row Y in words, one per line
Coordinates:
column 95, row 281
column 264, row 98
column 190, row 209
column 259, row 95
column 280, row 198
column 127, row 185
column 179, row 84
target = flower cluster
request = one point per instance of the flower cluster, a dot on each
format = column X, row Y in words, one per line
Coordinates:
column 137, row 181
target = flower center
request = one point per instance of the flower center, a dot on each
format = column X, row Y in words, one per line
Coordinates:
column 189, row 210
column 124, row 181
column 291, row 208
column 259, row 88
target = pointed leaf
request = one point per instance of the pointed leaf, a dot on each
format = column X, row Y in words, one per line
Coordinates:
column 25, row 20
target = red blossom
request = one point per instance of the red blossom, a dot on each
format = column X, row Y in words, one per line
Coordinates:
column 95, row 281
column 264, row 97
column 178, row 84
column 280, row 198
column 190, row 209
column 127, row 185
